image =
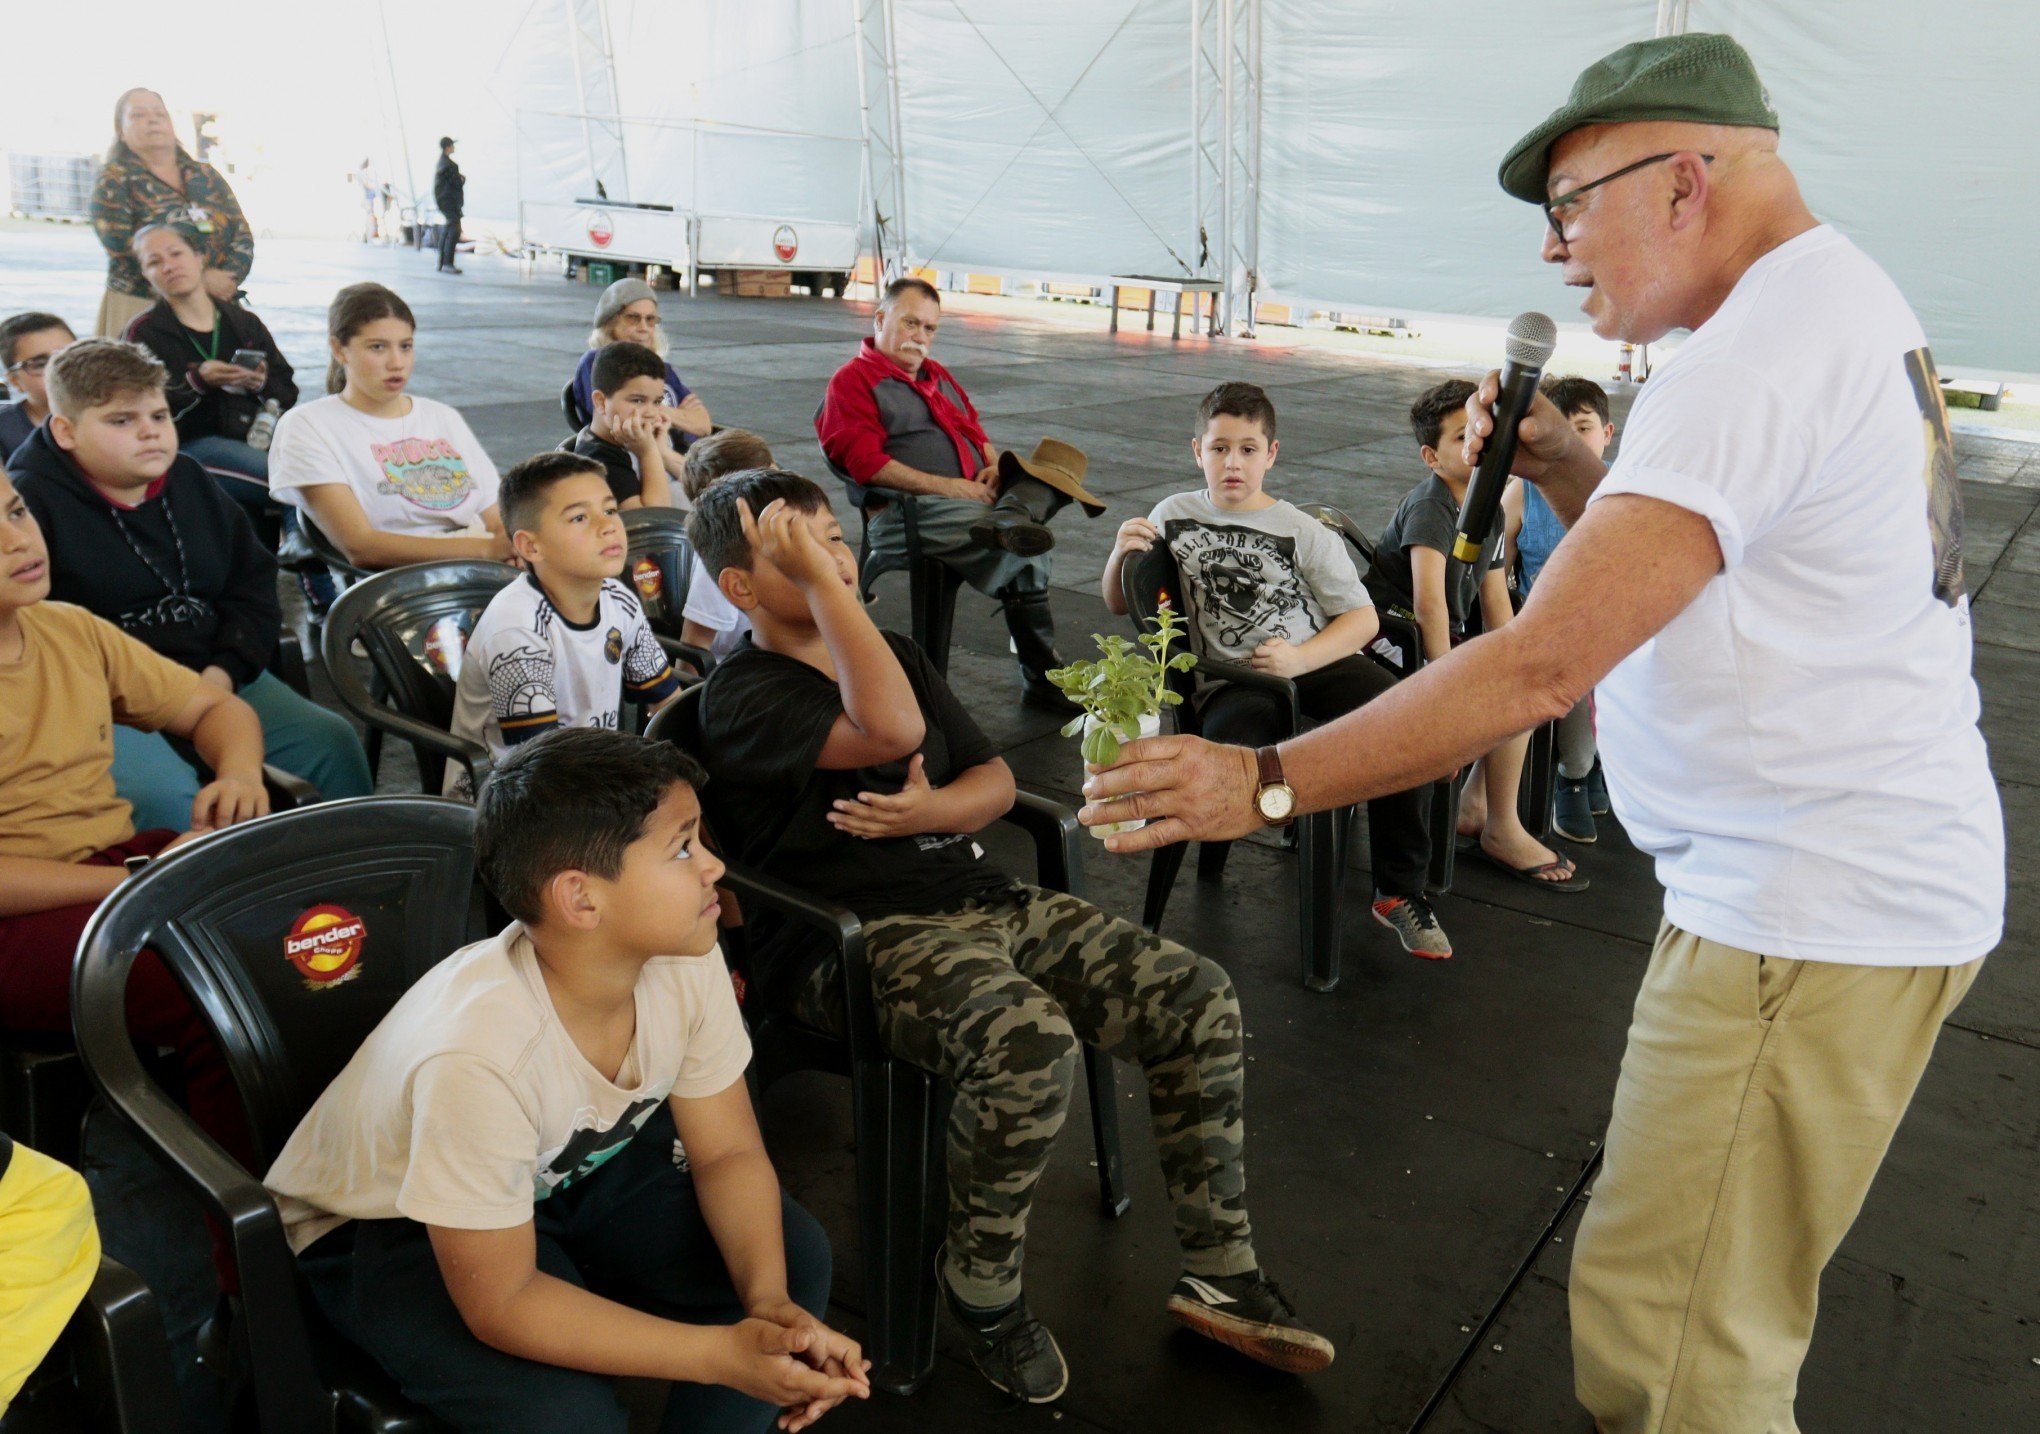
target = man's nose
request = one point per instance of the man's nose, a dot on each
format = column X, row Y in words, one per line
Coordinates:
column 1554, row 250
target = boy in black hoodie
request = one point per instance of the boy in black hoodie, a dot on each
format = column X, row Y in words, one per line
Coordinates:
column 140, row 536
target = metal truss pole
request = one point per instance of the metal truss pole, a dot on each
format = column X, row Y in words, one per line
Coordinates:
column 885, row 168
column 1225, row 156
column 600, row 107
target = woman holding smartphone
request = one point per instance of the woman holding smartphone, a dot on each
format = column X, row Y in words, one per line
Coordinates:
column 224, row 368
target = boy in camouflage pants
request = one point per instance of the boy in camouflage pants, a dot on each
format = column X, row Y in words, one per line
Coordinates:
column 840, row 761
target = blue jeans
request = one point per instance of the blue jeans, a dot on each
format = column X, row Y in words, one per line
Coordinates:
column 632, row 1231
column 299, row 736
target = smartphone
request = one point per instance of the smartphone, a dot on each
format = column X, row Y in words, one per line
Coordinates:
column 250, row 358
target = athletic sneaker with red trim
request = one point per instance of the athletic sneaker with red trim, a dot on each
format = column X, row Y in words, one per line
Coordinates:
column 1415, row 925
column 1250, row 1314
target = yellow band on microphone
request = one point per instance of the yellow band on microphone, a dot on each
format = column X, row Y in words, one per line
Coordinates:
column 1465, row 549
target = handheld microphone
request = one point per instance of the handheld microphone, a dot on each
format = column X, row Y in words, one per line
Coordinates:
column 1531, row 339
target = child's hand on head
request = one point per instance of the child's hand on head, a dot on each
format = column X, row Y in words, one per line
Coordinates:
column 780, row 535
column 1136, row 535
column 876, row 814
column 1279, row 658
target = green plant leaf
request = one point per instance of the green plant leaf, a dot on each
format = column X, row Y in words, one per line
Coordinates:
column 1101, row 746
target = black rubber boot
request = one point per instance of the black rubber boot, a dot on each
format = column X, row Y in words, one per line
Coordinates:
column 1033, row 628
column 1018, row 520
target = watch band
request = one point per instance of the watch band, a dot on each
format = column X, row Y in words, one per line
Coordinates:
column 1269, row 761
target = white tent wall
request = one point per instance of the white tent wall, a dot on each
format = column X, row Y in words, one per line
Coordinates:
column 1050, row 138
column 1915, row 130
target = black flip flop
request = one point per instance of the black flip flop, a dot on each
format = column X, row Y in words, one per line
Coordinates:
column 1534, row 875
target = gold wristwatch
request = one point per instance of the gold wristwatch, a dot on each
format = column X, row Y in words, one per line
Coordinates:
column 1275, row 799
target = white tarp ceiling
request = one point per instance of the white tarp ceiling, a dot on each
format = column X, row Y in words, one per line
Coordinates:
column 1056, row 138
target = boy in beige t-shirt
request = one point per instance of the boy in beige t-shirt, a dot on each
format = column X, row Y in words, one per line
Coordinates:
column 542, row 1166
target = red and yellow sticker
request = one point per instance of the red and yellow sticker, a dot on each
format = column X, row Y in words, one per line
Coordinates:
column 325, row 945
column 645, row 576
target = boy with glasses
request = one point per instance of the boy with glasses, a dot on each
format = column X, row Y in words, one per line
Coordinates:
column 27, row 342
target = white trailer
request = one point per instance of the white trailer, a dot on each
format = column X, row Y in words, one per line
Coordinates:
column 820, row 254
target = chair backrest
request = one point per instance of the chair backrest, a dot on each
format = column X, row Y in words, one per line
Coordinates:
column 679, row 722
column 1339, row 522
column 294, row 935
column 1148, row 580
column 329, row 552
column 660, row 565
column 414, row 622
column 576, row 416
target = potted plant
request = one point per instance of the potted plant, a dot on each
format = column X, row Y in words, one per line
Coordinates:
column 1123, row 692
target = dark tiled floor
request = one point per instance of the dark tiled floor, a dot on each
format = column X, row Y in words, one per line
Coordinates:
column 1415, row 1132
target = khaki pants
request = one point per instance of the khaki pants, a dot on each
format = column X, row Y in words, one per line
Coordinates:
column 1758, row 1096
column 117, row 311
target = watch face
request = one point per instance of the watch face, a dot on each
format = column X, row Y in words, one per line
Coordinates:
column 1276, row 803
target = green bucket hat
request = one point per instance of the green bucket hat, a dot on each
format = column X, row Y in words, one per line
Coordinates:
column 1703, row 79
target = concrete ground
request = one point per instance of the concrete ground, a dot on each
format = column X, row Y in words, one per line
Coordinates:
column 1422, row 1138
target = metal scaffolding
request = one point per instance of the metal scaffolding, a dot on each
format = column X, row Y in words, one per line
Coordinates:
column 1225, row 143
column 885, row 163
column 600, row 107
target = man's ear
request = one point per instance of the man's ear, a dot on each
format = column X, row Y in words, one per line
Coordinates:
column 1691, row 187
column 64, row 431
column 571, row 900
column 524, row 543
column 735, row 584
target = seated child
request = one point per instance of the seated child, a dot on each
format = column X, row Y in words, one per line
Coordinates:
column 841, row 762
column 1533, row 531
column 1272, row 588
column 542, row 1167
column 66, row 678
column 391, row 477
column 710, row 620
column 27, row 341
column 626, row 433
column 1408, row 575
column 49, row 1254
column 138, row 534
column 562, row 645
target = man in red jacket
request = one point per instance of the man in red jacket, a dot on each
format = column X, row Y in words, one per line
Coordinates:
column 894, row 418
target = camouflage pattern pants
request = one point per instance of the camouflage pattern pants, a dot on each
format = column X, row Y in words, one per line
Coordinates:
column 998, row 996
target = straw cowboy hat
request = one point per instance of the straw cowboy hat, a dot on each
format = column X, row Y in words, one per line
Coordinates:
column 1060, row 465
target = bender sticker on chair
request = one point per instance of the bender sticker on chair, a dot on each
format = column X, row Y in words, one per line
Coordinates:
column 645, row 577
column 325, row 945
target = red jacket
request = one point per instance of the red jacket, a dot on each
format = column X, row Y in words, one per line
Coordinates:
column 875, row 412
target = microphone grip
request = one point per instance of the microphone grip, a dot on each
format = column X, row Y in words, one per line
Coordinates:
column 1484, row 492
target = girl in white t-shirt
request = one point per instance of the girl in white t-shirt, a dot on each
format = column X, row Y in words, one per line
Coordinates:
column 390, row 477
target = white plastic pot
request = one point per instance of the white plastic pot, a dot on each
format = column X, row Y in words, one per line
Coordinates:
column 1150, row 726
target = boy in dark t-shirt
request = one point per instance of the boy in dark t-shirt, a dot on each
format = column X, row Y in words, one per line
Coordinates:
column 627, row 434
column 840, row 761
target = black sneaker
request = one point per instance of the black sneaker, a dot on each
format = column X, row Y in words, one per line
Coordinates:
column 1248, row 1313
column 1015, row 1351
column 1572, row 812
column 1597, row 791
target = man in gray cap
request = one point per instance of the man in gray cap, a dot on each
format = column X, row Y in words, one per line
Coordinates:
column 1767, row 589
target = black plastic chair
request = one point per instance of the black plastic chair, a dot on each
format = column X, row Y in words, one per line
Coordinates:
column 110, row 1371
column 660, row 565
column 413, row 622
column 931, row 583
column 901, row 1110
column 570, row 407
column 344, row 569
column 1147, row 580
column 219, row 912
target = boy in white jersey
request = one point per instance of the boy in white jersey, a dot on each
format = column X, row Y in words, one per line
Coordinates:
column 542, row 1169
column 562, row 645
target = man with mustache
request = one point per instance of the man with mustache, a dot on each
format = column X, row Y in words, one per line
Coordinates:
column 1766, row 585
column 894, row 418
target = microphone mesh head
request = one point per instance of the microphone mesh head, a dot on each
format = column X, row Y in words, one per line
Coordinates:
column 1531, row 339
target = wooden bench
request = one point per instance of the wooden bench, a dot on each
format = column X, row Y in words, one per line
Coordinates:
column 1155, row 284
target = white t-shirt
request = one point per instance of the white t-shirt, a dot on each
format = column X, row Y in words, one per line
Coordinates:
column 527, row 669
column 424, row 473
column 1254, row 576
column 1798, row 749
column 470, row 1103
column 707, row 606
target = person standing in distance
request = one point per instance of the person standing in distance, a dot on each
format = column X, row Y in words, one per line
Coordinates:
column 449, row 192
column 1767, row 587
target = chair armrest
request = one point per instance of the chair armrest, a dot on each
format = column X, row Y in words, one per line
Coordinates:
column 688, row 652
column 1056, row 833
column 119, row 1347
column 473, row 755
column 294, row 790
column 839, row 924
column 1405, row 632
column 1218, row 669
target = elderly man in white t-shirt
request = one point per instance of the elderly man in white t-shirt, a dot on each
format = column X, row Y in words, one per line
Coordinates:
column 1767, row 587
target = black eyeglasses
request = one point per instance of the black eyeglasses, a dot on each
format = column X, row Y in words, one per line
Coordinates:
column 1554, row 208
column 34, row 365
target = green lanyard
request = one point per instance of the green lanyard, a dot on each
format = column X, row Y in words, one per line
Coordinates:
column 206, row 353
